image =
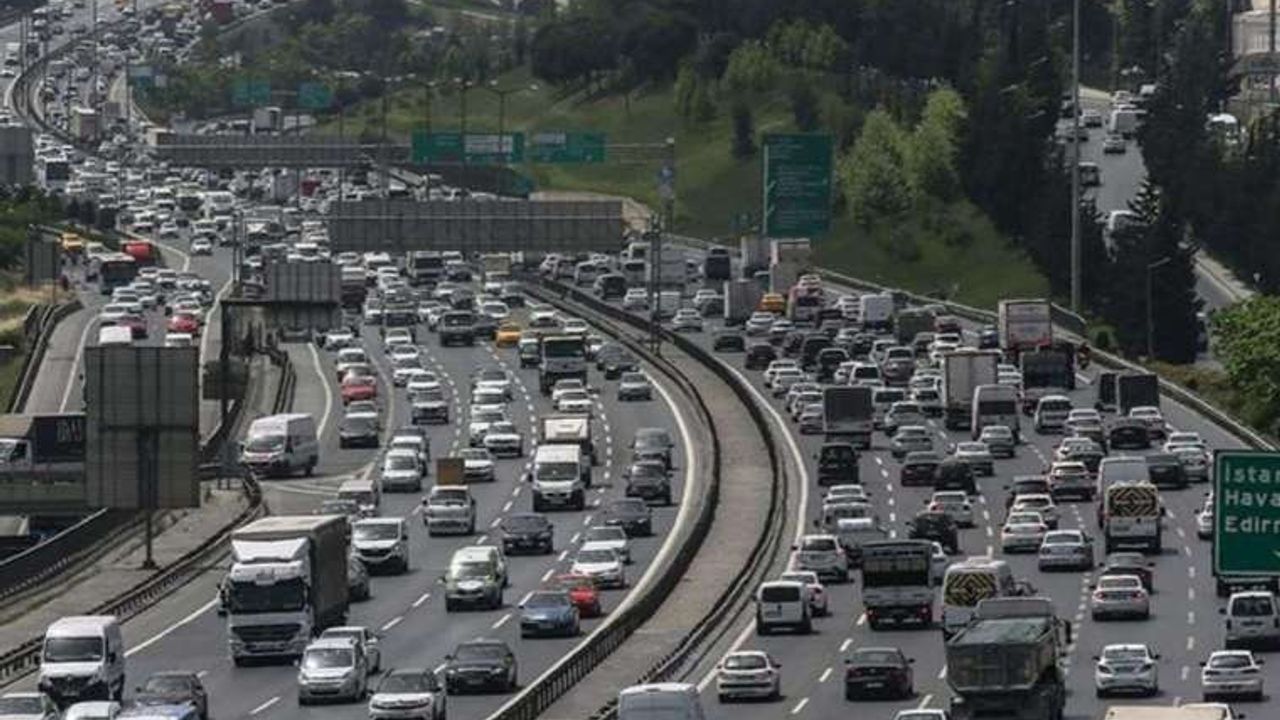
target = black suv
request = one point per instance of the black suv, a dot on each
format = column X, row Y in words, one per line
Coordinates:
column 919, row 468
column 837, row 464
column 938, row 527
column 630, row 514
column 1166, row 470
column 759, row 355
column 955, row 474
column 728, row 341
column 529, row 532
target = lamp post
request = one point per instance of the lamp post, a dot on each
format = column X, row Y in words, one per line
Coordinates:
column 1075, row 157
column 428, row 91
column 1151, row 335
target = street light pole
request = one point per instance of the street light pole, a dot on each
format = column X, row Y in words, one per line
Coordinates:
column 1075, row 157
column 1151, row 323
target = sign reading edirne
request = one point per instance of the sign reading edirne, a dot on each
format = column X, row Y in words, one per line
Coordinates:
column 1246, row 512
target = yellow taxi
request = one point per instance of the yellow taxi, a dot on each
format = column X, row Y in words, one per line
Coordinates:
column 72, row 244
column 773, row 303
column 507, row 335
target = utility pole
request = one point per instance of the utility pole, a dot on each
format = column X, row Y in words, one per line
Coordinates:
column 1075, row 156
column 1271, row 54
column 1151, row 322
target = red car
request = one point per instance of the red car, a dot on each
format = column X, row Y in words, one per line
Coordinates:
column 359, row 387
column 136, row 323
column 582, row 592
column 184, row 323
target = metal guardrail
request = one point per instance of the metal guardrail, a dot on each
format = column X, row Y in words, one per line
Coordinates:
column 541, row 693
column 47, row 322
column 68, row 549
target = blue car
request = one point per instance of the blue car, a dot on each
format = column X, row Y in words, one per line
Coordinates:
column 549, row 612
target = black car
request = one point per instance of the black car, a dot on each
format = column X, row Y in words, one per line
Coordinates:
column 357, row 431
column 1130, row 563
column 759, row 355
column 480, row 665
column 1166, row 471
column 922, row 342
column 988, row 339
column 530, row 354
column 955, row 474
column 838, row 464
column 919, row 468
column 174, row 687
column 728, row 341
column 612, row 285
column 649, row 481
column 528, row 532
column 828, row 360
column 615, row 364
column 878, row 672
column 631, row 514
column 606, row 352
column 813, row 344
column 1126, row 434
column 936, row 526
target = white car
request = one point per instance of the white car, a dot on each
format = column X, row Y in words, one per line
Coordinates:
column 1022, row 532
column 759, row 323
column 503, row 439
column 201, row 246
column 1183, row 437
column 748, row 674
column 564, row 386
column 610, row 536
column 335, row 340
column 954, row 503
column 575, row 326
column 819, row 603
column 575, row 402
column 1120, row 595
column 1126, row 668
column 635, row 299
column 1152, row 418
column 409, row 694
column 784, row 379
column 602, row 563
column 1232, row 674
column 1204, row 521
column 687, row 319
column 477, row 463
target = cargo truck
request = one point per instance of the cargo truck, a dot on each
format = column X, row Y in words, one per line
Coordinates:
column 671, row 270
column 911, row 322
column 568, row 430
column 962, row 372
column 563, row 357
column 424, row 267
column 847, row 414
column 1137, row 390
column 354, row 287
column 1047, row 370
column 741, row 297
column 753, row 252
column 287, row 582
column 1005, row 661
column 1023, row 325
column 897, row 582
column 717, row 265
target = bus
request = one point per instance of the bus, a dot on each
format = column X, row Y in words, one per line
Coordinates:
column 115, row 270
column 897, row 581
column 969, row 581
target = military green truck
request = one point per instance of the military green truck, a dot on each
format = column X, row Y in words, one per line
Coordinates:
column 1005, row 661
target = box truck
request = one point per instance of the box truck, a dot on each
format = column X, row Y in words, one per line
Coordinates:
column 847, row 414
column 962, row 372
column 1024, row 325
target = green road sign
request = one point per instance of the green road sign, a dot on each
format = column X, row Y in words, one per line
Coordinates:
column 250, row 93
column 561, row 147
column 314, row 96
column 475, row 149
column 797, row 185
column 1246, row 512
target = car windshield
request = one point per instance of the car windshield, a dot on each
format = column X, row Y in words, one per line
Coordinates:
column 471, row 653
column 471, row 570
column 547, row 600
column 407, row 683
column 1230, row 661
column 338, row 507
column 323, row 658
column 72, row 649
column 875, row 657
column 400, row 462
column 21, row 706
column 745, row 662
column 473, row 454
column 819, row 545
column 1124, row 653
column 376, row 531
column 446, row 496
column 632, row 378
column 1251, row 606
column 264, row 443
column 524, row 524
column 627, row 507
column 596, row 556
column 167, row 685
column 606, row 534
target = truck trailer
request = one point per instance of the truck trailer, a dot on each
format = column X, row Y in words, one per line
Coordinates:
column 962, row 372
column 847, row 414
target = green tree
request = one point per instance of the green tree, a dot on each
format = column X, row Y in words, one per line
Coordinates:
column 872, row 172
column 751, row 68
column 933, row 148
column 744, row 131
column 1247, row 340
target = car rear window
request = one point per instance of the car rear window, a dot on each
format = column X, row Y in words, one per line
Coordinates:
column 1255, row 606
column 779, row 593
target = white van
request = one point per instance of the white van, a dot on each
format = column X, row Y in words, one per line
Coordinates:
column 83, row 659
column 557, row 477
column 782, row 604
column 1252, row 619
column 1051, row 413
column 875, row 312
column 366, row 493
column 996, row 405
column 118, row 335
column 1123, row 469
column 660, row 701
column 281, row 445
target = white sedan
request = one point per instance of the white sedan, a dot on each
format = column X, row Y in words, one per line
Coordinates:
column 1126, row 668
column 1231, row 673
column 601, row 563
column 748, row 674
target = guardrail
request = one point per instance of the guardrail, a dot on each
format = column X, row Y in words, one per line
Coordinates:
column 563, row 675
column 46, row 320
column 67, row 549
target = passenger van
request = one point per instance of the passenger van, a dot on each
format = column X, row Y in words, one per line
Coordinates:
column 968, row 582
column 117, row 335
column 366, row 493
column 1253, row 618
column 660, row 701
column 782, row 604
column 1051, row 413
column 83, row 659
column 882, row 398
column 996, row 405
column 281, row 445
column 560, row 476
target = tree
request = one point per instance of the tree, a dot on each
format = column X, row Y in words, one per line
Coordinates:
column 744, row 140
column 872, row 172
column 804, row 105
column 1247, row 340
column 751, row 68
column 934, row 146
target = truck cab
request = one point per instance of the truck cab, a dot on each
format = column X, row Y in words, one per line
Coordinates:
column 556, row 477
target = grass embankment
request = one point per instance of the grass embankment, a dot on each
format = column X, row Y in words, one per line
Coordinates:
column 958, row 253
column 15, row 300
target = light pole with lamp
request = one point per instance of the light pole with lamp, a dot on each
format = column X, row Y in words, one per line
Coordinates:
column 1151, row 335
column 502, row 94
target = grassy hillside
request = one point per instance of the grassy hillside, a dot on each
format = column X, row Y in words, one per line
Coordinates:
column 962, row 256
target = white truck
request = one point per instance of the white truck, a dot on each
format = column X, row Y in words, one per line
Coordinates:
column 897, row 582
column 875, row 312
column 287, row 582
column 848, row 414
column 1024, row 325
column 741, row 298
column 1166, row 712
column 671, row 270
column 569, row 430
column 788, row 259
column 963, row 371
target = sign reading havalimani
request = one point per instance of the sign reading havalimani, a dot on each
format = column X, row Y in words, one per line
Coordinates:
column 1246, row 512
column 797, row 185
column 470, row 149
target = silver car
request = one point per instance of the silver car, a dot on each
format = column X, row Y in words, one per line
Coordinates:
column 1126, row 668
column 977, row 456
column 748, row 674
column 911, row 438
column 1069, row 549
column 1120, row 596
column 332, row 669
column 999, row 440
column 823, row 555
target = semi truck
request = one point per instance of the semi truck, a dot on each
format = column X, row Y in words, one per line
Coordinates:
column 897, row 582
column 753, row 251
column 962, row 372
column 568, row 430
column 354, row 286
column 563, row 357
column 287, row 582
column 1005, row 661
column 741, row 297
column 1023, row 325
column 1137, row 390
column 847, row 414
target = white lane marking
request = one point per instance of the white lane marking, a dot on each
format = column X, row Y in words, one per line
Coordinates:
column 1186, row 671
column 924, row 702
column 424, row 597
column 942, row 674
column 501, row 621
column 328, row 392
column 89, row 324
column 799, row 706
column 506, row 507
column 392, row 622
column 574, row 540
column 1191, row 643
column 862, row 620
column 496, row 522
column 563, row 554
column 1191, row 617
column 526, row 597
column 844, row 646
column 439, row 668
column 547, row 575
column 166, row 631
column 264, row 706
column 826, row 674
column 1191, row 571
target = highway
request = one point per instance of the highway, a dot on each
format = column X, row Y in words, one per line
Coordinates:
column 1184, row 627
